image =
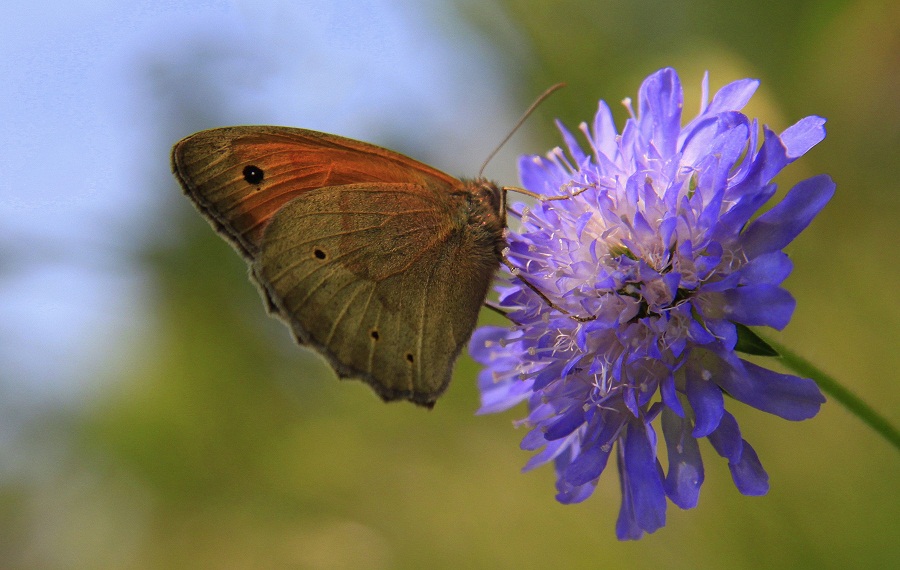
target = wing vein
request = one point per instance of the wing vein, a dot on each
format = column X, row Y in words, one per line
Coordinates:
column 288, row 268
column 372, row 345
column 422, row 312
column 420, row 229
column 311, row 291
column 340, row 316
column 365, row 245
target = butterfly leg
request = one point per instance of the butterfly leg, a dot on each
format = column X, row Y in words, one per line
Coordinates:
column 518, row 274
column 500, row 311
column 505, row 209
column 544, row 197
column 516, row 271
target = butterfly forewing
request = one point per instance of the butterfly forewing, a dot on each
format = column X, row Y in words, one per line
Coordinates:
column 240, row 176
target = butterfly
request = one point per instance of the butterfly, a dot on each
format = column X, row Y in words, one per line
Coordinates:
column 377, row 261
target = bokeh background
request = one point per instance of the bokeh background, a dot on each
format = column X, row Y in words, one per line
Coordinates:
column 152, row 415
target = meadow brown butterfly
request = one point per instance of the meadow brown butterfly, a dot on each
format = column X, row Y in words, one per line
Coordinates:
column 379, row 262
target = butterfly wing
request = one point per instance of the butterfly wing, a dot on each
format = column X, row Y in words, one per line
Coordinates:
column 239, row 177
column 364, row 252
column 380, row 279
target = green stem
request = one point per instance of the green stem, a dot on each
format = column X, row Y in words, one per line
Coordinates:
column 840, row 394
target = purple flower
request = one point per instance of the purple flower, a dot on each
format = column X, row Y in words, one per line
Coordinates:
column 651, row 273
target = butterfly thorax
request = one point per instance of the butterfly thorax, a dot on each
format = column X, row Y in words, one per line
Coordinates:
column 483, row 218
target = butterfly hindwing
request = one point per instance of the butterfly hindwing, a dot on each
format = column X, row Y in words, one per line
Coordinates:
column 368, row 274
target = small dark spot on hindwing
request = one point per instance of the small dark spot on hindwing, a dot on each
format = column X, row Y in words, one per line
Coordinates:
column 319, row 254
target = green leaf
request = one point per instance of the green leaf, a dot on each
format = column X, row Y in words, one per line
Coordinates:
column 750, row 343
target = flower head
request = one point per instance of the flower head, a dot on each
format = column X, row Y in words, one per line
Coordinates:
column 649, row 274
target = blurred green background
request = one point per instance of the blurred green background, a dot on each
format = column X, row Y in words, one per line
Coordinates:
column 152, row 415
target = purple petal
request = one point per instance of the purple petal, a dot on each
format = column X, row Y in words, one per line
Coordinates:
column 724, row 331
column 670, row 396
column 642, row 478
column 548, row 374
column 588, row 466
column 717, row 161
column 566, row 492
column 571, row 143
column 748, row 474
column 539, row 410
column 712, row 211
column 565, row 424
column 706, row 400
column 484, row 341
column 733, row 221
column 685, row 474
column 570, row 495
column 533, row 440
column 582, row 223
column 630, row 401
column 771, row 158
column 715, row 132
column 780, row 225
column 727, row 281
column 661, row 99
column 696, row 140
column 605, row 131
column 627, row 527
column 503, row 396
column 704, row 92
column 699, row 334
column 771, row 268
column 759, row 305
column 627, row 142
column 499, row 395
column 541, row 175
column 551, row 452
column 786, row 396
column 733, row 97
column 803, row 135
column 726, row 440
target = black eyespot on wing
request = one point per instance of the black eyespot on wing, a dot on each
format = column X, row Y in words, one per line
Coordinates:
column 319, row 253
column 253, row 174
column 409, row 357
column 374, row 334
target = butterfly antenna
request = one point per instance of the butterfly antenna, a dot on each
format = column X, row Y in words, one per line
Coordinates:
column 543, row 96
